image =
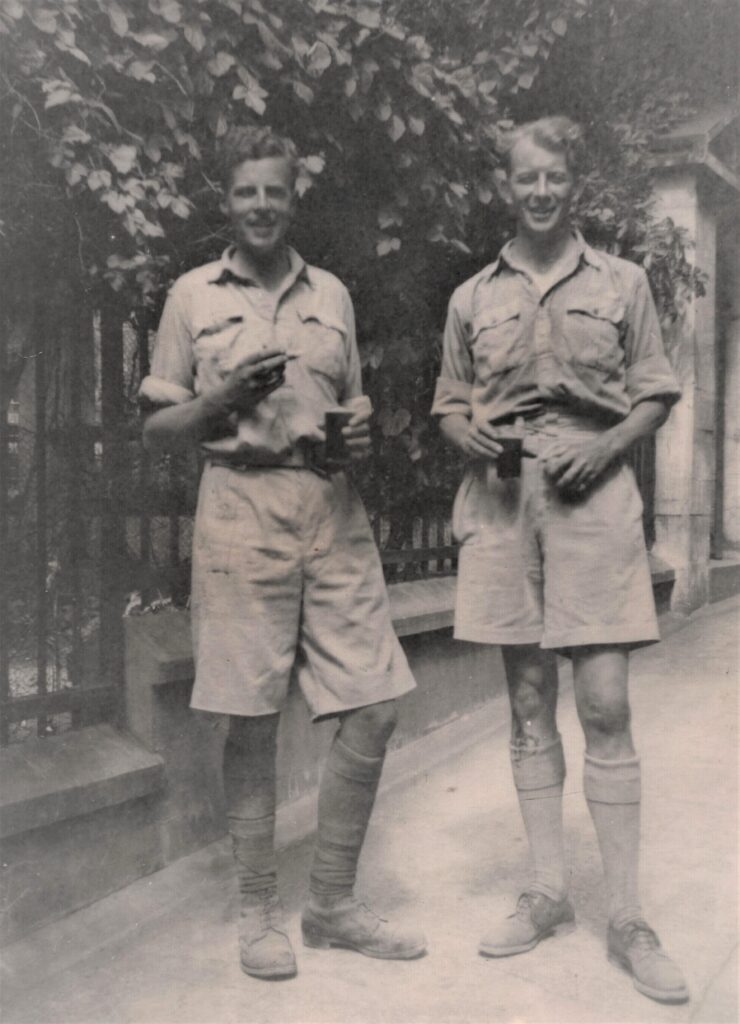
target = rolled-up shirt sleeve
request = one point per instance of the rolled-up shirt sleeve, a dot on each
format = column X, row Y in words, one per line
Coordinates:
column 455, row 382
column 170, row 381
column 648, row 372
column 353, row 380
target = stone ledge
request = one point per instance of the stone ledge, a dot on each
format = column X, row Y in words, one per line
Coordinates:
column 61, row 777
column 421, row 606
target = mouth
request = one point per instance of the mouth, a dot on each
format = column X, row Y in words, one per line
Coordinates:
column 538, row 214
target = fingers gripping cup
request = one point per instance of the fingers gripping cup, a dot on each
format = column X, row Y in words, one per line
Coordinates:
column 336, row 446
column 509, row 464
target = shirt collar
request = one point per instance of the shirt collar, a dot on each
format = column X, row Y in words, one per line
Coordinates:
column 232, row 267
column 585, row 254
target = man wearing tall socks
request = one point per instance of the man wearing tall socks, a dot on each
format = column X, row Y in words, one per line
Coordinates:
column 253, row 353
column 556, row 347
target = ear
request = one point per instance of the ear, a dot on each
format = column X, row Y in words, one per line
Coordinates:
column 501, row 179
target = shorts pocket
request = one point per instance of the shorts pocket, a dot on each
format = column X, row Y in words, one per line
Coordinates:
column 462, row 523
column 216, row 523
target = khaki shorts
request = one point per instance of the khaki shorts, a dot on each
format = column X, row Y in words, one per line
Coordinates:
column 538, row 568
column 287, row 581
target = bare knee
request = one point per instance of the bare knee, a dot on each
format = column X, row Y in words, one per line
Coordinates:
column 532, row 681
column 367, row 730
column 605, row 717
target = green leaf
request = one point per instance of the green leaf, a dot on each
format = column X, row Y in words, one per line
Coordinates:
column 141, row 70
column 194, row 35
column 252, row 95
column 386, row 245
column 13, row 9
column 73, row 133
column 559, row 26
column 318, row 59
column 117, row 17
column 58, row 97
column 525, row 81
column 153, row 40
column 221, row 63
column 170, row 10
column 115, row 201
column 369, row 17
column 396, row 128
column 416, row 124
column 44, row 19
column 303, row 92
column 98, row 179
column 314, row 163
column 123, row 157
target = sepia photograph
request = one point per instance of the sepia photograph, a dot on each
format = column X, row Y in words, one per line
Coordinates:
column 369, row 511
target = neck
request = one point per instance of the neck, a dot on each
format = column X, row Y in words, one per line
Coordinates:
column 269, row 270
column 543, row 252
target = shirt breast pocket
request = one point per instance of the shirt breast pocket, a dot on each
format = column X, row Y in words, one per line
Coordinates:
column 322, row 344
column 593, row 328
column 498, row 343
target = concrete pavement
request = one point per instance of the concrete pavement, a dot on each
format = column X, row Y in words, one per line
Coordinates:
column 447, row 848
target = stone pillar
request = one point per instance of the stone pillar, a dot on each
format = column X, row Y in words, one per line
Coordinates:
column 731, row 339
column 685, row 460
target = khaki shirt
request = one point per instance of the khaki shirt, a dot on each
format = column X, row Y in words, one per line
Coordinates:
column 216, row 315
column 592, row 343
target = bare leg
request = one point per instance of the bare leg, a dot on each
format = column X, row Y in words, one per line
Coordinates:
column 537, row 762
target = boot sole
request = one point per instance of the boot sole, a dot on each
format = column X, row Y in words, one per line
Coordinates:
column 565, row 928
column 269, row 973
column 679, row 995
column 314, row 941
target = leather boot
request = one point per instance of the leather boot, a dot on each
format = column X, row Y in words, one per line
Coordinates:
column 344, row 921
column 264, row 946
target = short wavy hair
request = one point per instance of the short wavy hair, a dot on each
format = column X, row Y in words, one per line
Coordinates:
column 557, row 134
column 254, row 142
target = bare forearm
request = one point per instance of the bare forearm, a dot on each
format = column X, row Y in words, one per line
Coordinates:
column 180, row 426
column 645, row 419
column 455, row 428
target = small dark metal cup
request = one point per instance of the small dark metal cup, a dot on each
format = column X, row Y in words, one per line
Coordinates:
column 509, row 463
column 336, row 446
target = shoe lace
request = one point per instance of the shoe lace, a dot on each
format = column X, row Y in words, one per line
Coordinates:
column 524, row 906
column 639, row 935
column 270, row 911
column 365, row 909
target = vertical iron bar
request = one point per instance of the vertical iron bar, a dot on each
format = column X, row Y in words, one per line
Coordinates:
column 4, row 540
column 145, row 521
column 42, row 555
column 75, row 482
column 112, row 533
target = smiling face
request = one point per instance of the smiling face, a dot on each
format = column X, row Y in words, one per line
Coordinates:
column 540, row 189
column 259, row 202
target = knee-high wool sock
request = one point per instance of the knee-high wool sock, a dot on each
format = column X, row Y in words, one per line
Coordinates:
column 612, row 789
column 346, row 799
column 539, row 775
column 249, row 788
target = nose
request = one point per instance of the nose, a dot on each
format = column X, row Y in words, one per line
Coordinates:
column 542, row 188
column 263, row 200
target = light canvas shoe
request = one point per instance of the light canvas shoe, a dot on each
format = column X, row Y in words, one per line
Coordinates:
column 536, row 916
column 636, row 948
